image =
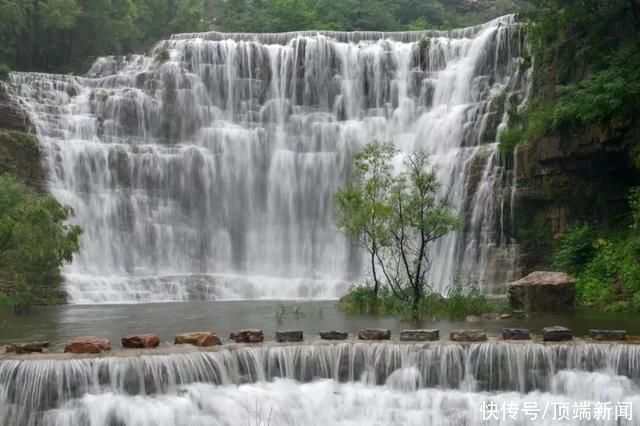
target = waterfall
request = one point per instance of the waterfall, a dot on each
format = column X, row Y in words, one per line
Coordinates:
column 206, row 169
column 214, row 385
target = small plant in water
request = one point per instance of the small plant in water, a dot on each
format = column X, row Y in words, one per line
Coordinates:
column 288, row 311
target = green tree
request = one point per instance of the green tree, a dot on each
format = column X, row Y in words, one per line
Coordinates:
column 363, row 209
column 396, row 219
column 35, row 241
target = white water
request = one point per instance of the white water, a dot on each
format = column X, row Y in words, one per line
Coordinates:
column 343, row 384
column 218, row 155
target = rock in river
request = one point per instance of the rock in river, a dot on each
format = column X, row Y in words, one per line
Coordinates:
column 334, row 335
column 608, row 334
column 289, row 336
column 88, row 345
column 26, row 348
column 198, row 338
column 468, row 336
column 543, row 291
column 374, row 334
column 516, row 334
column 136, row 341
column 556, row 334
column 249, row 335
column 419, row 335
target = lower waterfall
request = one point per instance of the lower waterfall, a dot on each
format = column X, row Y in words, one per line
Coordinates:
column 206, row 169
column 341, row 384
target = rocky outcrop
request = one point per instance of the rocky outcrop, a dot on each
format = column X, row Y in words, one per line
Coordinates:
column 250, row 335
column 516, row 334
column 608, row 334
column 468, row 336
column 12, row 115
column 333, row 335
column 556, row 334
column 198, row 338
column 137, row 341
column 289, row 336
column 543, row 291
column 560, row 181
column 26, row 348
column 426, row 335
column 374, row 334
column 88, row 345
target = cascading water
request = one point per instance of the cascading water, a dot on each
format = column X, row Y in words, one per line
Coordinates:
column 207, row 169
column 341, row 384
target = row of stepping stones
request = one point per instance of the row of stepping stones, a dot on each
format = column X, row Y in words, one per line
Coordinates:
column 94, row 345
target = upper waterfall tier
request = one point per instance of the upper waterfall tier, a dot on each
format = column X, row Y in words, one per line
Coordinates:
column 207, row 169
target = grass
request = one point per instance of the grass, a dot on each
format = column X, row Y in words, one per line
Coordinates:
column 457, row 303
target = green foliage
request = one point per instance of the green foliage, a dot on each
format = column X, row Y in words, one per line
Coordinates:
column 288, row 311
column 461, row 299
column 588, row 55
column 607, row 269
column 4, row 72
column 66, row 35
column 35, row 241
column 395, row 218
column 577, row 248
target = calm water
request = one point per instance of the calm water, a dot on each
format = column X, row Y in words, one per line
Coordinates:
column 60, row 323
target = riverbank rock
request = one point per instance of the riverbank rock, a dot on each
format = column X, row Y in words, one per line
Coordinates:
column 426, row 335
column 374, row 334
column 468, row 336
column 556, row 334
column 608, row 334
column 333, row 335
column 26, row 348
column 198, row 338
column 249, row 335
column 516, row 334
column 289, row 336
column 88, row 345
column 543, row 291
column 473, row 318
column 137, row 341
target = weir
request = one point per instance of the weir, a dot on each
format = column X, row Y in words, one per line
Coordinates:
column 53, row 391
column 206, row 170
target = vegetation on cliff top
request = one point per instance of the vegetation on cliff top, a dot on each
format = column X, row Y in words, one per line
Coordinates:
column 587, row 55
column 67, row 35
column 35, row 241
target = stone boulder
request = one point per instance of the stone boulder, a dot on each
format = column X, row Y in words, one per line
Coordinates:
column 137, row 341
column 88, row 345
column 516, row 334
column 198, row 338
column 26, row 348
column 608, row 334
column 426, row 335
column 543, row 291
column 333, row 335
column 374, row 334
column 556, row 334
column 249, row 335
column 289, row 336
column 468, row 336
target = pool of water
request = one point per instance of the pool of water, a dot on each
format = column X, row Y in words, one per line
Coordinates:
column 58, row 324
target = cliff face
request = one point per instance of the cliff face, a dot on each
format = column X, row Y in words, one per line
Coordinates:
column 565, row 179
column 19, row 151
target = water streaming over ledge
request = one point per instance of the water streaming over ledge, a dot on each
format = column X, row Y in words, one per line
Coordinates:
column 377, row 378
column 206, row 170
